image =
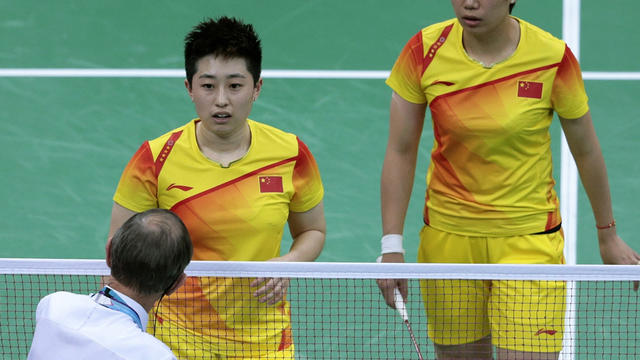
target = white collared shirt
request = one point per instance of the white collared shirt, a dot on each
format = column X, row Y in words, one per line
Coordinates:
column 144, row 317
column 72, row 326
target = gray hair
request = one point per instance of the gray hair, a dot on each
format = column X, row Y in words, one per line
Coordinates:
column 150, row 251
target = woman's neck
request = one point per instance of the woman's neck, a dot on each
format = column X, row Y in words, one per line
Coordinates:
column 493, row 46
column 223, row 149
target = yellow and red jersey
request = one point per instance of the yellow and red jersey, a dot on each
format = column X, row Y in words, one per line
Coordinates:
column 491, row 170
column 234, row 213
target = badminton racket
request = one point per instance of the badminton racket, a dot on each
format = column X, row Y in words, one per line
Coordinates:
column 402, row 310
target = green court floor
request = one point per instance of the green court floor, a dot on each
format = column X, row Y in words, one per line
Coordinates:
column 66, row 140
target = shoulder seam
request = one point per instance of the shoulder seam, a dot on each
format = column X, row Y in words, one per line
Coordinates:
column 166, row 150
column 433, row 49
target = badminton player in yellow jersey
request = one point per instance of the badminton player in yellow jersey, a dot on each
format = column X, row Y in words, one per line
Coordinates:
column 492, row 83
column 235, row 183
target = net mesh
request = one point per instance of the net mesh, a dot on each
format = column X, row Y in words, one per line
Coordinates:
column 337, row 311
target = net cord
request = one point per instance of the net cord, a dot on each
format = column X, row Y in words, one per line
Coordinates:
column 340, row 270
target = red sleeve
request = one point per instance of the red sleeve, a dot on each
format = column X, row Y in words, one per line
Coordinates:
column 138, row 186
column 306, row 181
column 568, row 97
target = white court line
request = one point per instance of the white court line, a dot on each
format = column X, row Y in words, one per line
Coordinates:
column 601, row 75
column 569, row 188
column 271, row 74
column 179, row 73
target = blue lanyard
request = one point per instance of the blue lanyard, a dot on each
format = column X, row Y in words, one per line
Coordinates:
column 117, row 304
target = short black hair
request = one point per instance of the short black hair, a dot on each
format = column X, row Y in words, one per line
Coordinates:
column 150, row 251
column 511, row 7
column 226, row 37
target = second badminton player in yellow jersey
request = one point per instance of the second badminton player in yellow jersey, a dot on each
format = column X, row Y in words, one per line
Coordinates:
column 235, row 183
column 492, row 82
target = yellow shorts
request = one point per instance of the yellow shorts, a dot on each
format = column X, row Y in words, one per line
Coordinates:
column 187, row 344
column 519, row 315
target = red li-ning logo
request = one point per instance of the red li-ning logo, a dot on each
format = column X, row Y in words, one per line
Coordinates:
column 181, row 187
column 545, row 331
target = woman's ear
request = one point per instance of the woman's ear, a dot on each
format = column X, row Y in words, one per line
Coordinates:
column 187, row 85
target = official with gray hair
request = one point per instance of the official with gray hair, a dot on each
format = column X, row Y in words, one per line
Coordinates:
column 147, row 256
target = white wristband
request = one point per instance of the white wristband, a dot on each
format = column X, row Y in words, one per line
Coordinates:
column 392, row 243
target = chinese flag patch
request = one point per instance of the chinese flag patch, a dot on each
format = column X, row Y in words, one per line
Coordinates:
column 271, row 184
column 530, row 89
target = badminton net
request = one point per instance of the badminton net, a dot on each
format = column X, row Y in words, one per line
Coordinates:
column 337, row 312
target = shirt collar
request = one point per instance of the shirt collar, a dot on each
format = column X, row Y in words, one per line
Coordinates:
column 144, row 317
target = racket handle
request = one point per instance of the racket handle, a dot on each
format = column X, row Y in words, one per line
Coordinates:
column 400, row 306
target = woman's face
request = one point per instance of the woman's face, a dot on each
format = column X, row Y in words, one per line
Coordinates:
column 223, row 92
column 481, row 16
